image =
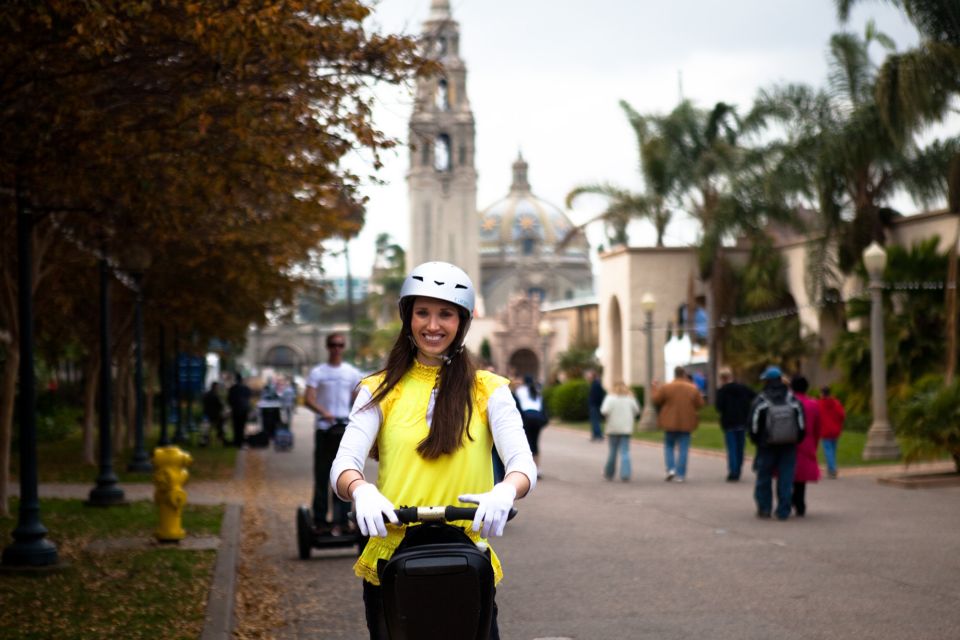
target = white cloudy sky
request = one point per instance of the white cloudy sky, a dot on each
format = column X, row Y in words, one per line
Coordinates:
column 545, row 77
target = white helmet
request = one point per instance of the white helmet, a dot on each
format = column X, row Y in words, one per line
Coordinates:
column 440, row 280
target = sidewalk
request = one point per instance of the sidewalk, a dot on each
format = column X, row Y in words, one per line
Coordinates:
column 591, row 559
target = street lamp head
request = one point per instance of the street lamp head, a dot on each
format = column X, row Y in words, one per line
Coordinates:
column 648, row 302
column 874, row 259
column 545, row 329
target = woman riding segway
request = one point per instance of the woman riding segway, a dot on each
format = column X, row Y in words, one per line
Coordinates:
column 433, row 418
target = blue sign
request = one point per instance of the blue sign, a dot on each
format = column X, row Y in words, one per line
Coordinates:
column 190, row 371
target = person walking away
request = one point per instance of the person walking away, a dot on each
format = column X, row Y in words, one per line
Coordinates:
column 678, row 403
column 288, row 400
column 331, row 390
column 776, row 426
column 808, row 470
column 532, row 411
column 238, row 397
column 213, row 410
column 733, row 405
column 433, row 417
column 832, row 416
column 621, row 410
column 595, row 397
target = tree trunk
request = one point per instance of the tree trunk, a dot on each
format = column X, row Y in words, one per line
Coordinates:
column 119, row 417
column 953, row 203
column 147, row 415
column 8, row 397
column 131, row 413
column 90, row 382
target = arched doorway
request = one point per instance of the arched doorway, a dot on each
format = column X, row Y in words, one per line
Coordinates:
column 283, row 359
column 616, row 341
column 523, row 362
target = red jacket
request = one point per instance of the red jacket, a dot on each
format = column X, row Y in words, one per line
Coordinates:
column 807, row 468
column 832, row 416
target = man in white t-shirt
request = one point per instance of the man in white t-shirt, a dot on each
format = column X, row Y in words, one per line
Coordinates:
column 331, row 390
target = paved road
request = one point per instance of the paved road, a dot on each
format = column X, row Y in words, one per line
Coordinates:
column 591, row 559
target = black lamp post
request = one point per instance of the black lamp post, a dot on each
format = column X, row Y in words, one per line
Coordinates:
column 164, row 389
column 106, row 493
column 137, row 262
column 30, row 547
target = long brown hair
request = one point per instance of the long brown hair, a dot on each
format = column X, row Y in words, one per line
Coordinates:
column 453, row 407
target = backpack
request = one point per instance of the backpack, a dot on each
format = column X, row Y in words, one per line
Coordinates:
column 782, row 426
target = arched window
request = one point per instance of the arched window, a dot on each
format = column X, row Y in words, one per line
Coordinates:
column 441, row 153
column 442, row 99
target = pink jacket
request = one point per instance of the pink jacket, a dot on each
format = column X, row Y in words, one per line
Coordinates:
column 808, row 470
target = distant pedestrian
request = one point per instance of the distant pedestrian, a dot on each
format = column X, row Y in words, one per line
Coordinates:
column 733, row 405
column 595, row 398
column 213, row 410
column 288, row 399
column 331, row 390
column 807, row 468
column 776, row 426
column 621, row 410
column 238, row 398
column 832, row 416
column 533, row 412
column 678, row 403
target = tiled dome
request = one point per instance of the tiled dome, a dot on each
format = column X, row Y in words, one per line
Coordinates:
column 521, row 217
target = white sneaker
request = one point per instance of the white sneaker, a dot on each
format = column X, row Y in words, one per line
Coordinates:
column 671, row 474
column 678, row 479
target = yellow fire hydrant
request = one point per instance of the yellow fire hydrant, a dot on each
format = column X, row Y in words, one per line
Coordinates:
column 170, row 464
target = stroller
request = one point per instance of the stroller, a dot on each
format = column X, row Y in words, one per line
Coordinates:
column 439, row 583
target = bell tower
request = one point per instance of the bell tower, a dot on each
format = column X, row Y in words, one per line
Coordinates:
column 442, row 181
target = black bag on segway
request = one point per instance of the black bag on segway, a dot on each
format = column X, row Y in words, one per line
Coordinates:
column 438, row 584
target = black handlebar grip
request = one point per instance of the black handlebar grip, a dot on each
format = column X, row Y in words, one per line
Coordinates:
column 411, row 515
column 468, row 513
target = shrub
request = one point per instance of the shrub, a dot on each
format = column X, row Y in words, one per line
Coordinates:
column 928, row 421
column 638, row 393
column 568, row 400
column 857, row 422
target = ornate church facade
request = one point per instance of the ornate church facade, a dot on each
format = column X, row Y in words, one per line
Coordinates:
column 521, row 252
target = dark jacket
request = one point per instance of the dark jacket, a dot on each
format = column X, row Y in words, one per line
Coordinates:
column 238, row 397
column 773, row 392
column 596, row 395
column 733, row 403
column 212, row 406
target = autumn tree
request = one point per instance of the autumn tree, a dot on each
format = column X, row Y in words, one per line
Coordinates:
column 211, row 132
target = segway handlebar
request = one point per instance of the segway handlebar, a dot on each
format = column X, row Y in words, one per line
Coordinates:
column 412, row 515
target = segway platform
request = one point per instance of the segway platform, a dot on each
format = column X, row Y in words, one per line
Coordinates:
column 308, row 538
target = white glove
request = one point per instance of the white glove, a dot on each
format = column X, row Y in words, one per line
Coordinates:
column 493, row 507
column 370, row 506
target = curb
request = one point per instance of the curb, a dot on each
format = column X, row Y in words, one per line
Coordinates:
column 219, row 620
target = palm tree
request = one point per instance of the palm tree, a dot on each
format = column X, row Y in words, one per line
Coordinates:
column 915, row 88
column 723, row 180
column 842, row 157
column 623, row 204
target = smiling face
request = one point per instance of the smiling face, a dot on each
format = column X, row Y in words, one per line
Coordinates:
column 434, row 325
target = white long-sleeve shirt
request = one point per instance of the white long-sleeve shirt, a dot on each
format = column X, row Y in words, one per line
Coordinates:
column 505, row 425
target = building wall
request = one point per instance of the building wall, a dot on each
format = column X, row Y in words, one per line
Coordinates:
column 627, row 273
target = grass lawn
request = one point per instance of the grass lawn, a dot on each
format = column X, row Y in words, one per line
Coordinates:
column 153, row 592
column 710, row 436
column 61, row 461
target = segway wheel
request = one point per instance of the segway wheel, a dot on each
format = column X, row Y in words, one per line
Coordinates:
column 304, row 532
